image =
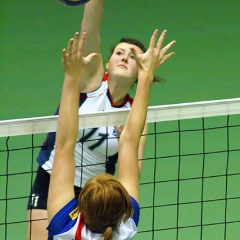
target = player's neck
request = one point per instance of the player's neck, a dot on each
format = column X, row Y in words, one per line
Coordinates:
column 118, row 94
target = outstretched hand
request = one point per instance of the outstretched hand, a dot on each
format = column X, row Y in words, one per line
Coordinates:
column 72, row 60
column 155, row 56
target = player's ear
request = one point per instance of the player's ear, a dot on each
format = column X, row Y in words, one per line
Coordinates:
column 107, row 64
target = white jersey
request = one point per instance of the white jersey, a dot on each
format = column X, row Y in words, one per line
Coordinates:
column 68, row 223
column 96, row 149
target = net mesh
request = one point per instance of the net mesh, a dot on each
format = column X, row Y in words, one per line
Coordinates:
column 190, row 179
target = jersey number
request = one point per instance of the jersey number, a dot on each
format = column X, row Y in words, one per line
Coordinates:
column 98, row 143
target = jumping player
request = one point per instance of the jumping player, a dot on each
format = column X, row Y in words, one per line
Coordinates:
column 96, row 150
column 107, row 207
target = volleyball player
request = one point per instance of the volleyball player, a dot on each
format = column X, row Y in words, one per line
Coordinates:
column 107, row 207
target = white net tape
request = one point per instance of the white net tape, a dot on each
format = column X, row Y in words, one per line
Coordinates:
column 113, row 118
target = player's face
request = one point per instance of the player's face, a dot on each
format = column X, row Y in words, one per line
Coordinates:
column 122, row 62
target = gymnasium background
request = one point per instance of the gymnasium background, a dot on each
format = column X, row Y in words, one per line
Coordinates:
column 206, row 65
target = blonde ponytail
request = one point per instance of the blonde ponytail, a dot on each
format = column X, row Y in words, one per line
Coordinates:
column 108, row 233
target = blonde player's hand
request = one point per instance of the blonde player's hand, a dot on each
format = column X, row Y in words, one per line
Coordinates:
column 155, row 56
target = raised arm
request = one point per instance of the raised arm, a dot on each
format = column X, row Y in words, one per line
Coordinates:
column 91, row 23
column 63, row 171
column 148, row 63
column 141, row 148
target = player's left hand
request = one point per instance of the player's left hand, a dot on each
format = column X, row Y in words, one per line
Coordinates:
column 155, row 55
column 119, row 130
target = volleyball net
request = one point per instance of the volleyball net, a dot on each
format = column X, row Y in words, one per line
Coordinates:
column 190, row 184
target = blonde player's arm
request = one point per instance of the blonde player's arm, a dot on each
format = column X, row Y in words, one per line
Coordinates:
column 142, row 145
column 148, row 63
column 128, row 172
column 141, row 148
column 61, row 189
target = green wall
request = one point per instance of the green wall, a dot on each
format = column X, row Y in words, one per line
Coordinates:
column 205, row 67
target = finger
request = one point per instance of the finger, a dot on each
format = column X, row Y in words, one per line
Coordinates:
column 153, row 39
column 90, row 57
column 166, row 57
column 167, row 47
column 81, row 42
column 119, row 128
column 160, row 40
column 64, row 56
column 75, row 43
column 70, row 46
column 135, row 53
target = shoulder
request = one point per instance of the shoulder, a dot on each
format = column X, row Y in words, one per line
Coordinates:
column 129, row 228
column 66, row 219
column 136, row 211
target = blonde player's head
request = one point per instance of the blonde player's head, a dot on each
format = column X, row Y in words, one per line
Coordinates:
column 104, row 203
